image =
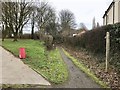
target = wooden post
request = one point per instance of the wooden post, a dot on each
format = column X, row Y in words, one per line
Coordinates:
column 107, row 50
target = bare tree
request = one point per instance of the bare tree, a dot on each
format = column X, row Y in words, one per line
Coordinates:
column 4, row 20
column 52, row 27
column 82, row 26
column 67, row 19
column 33, row 19
column 93, row 23
column 33, row 24
column 15, row 15
column 98, row 25
column 45, row 16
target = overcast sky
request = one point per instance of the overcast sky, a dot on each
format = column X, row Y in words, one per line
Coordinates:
column 84, row 10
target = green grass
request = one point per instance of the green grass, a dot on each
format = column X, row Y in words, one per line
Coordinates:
column 85, row 70
column 22, row 86
column 56, row 68
column 16, row 85
column 48, row 63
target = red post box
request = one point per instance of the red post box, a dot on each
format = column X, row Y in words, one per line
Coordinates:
column 22, row 54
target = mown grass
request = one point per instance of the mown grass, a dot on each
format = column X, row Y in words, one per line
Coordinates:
column 48, row 63
column 85, row 70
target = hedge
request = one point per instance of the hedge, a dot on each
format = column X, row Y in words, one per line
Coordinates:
column 94, row 41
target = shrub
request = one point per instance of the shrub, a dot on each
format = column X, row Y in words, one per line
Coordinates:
column 48, row 39
column 26, row 36
column 36, row 36
column 57, row 39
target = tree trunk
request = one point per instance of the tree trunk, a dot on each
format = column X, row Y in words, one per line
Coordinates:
column 15, row 37
column 33, row 22
column 3, row 35
column 21, row 33
column 32, row 32
column 9, row 33
column 4, row 32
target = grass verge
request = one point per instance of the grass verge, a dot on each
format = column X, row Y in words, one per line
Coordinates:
column 85, row 70
column 48, row 63
column 15, row 86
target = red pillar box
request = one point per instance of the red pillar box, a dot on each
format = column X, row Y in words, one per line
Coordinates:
column 22, row 54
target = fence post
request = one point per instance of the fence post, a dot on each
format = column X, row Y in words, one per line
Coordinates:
column 107, row 50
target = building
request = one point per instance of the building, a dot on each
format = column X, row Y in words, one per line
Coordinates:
column 80, row 32
column 112, row 14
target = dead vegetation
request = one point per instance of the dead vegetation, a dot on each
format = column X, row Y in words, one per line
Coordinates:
column 111, row 78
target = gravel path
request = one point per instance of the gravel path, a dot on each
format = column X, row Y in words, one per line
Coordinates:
column 14, row 71
column 77, row 79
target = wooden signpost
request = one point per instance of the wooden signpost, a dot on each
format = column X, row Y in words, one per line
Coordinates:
column 107, row 50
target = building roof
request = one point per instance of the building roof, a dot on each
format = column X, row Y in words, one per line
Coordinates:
column 108, row 9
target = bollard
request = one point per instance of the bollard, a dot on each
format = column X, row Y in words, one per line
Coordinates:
column 22, row 54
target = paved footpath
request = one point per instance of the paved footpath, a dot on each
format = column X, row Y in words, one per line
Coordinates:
column 14, row 71
column 77, row 79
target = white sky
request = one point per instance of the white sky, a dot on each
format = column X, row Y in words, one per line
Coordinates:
column 84, row 10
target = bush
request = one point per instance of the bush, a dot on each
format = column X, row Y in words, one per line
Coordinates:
column 36, row 36
column 48, row 39
column 57, row 39
column 26, row 36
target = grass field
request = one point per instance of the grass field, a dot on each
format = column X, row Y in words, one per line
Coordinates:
column 48, row 63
